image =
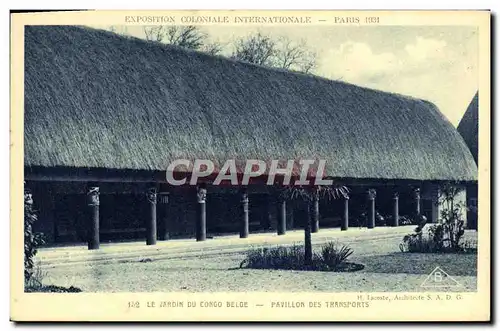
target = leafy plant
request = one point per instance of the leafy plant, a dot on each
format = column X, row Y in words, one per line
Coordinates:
column 331, row 257
column 53, row 289
column 403, row 220
column 36, row 278
column 31, row 240
column 307, row 193
column 443, row 237
column 406, row 220
column 451, row 217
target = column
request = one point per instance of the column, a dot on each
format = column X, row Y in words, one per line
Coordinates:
column 307, row 236
column 151, row 220
column 93, row 209
column 281, row 215
column 315, row 213
column 201, row 215
column 244, row 210
column 416, row 195
column 345, row 218
column 435, row 204
column 395, row 214
column 372, row 193
column 163, row 198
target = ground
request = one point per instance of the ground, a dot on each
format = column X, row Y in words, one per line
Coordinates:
column 213, row 266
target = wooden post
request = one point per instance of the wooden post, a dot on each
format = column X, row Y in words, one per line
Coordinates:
column 372, row 193
column 281, row 215
column 315, row 213
column 93, row 208
column 435, row 205
column 163, row 228
column 307, row 236
column 244, row 218
column 395, row 214
column 151, row 221
column 201, row 218
column 416, row 194
column 345, row 218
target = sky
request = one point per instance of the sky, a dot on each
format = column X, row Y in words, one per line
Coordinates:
column 435, row 63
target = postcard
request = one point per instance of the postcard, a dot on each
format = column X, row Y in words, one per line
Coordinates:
column 250, row 166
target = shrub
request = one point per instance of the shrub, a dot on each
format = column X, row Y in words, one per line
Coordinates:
column 407, row 220
column 403, row 220
column 418, row 244
column 331, row 257
column 31, row 240
column 362, row 220
column 53, row 289
column 451, row 229
column 36, row 278
column 469, row 246
column 443, row 237
column 291, row 257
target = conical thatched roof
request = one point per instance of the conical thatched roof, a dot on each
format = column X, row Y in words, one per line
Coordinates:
column 96, row 99
column 469, row 126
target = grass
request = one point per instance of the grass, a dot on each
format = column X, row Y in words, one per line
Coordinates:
column 36, row 284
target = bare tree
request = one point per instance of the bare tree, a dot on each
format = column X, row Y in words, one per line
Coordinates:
column 295, row 56
column 290, row 54
column 154, row 33
column 183, row 36
column 257, row 48
column 309, row 62
column 186, row 36
column 212, row 48
column 279, row 53
column 118, row 29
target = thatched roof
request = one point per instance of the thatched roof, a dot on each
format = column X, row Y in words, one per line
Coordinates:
column 469, row 126
column 97, row 99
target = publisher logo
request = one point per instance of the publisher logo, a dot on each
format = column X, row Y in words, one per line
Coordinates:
column 439, row 278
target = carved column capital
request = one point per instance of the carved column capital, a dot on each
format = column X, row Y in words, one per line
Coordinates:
column 93, row 196
column 416, row 193
column 151, row 195
column 201, row 195
column 372, row 194
column 395, row 195
column 244, row 196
